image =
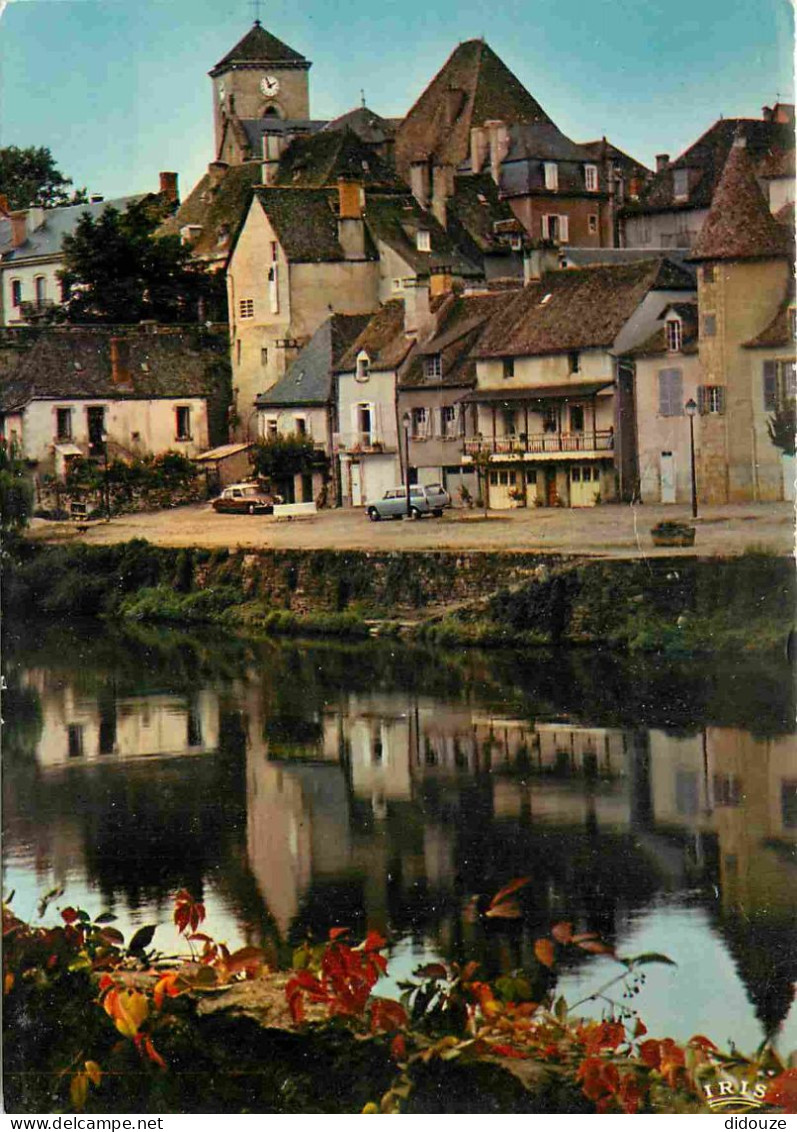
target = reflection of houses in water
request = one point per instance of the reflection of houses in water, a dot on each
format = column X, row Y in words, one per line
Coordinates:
column 78, row 728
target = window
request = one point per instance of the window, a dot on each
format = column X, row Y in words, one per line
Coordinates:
column 301, row 426
column 574, row 361
column 419, row 421
column 433, row 366
column 709, row 325
column 780, row 384
column 510, row 422
column 708, row 273
column 671, row 393
column 493, row 479
column 273, row 251
column 95, row 421
column 531, row 476
column 711, row 399
column 575, row 475
column 264, row 355
column 182, row 415
column 448, row 419
column 727, row 790
column 551, row 176
column 592, row 223
column 509, row 367
column 74, row 739
column 63, row 424
column 238, row 351
column 40, row 289
column 793, row 322
column 423, row 241
column 272, row 429
column 680, row 184
column 555, row 228
column 576, row 418
column 591, row 178
column 363, row 367
column 16, row 292
column 273, row 289
column 246, row 308
column 550, row 422
column 672, row 329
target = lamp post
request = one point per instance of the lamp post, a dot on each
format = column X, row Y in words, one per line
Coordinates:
column 106, row 483
column 691, row 409
column 406, row 420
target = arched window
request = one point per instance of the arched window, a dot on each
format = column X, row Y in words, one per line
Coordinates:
column 272, row 112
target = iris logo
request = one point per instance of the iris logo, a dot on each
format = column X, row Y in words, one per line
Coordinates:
column 732, row 1095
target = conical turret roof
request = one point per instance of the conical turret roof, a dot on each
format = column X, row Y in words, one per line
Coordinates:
column 739, row 224
column 259, row 46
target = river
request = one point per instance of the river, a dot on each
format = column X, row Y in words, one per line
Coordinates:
column 294, row 787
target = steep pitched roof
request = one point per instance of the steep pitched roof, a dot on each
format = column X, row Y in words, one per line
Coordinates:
column 739, row 224
column 217, row 209
column 706, row 160
column 369, row 127
column 308, row 380
column 396, row 220
column 259, row 46
column 603, row 150
column 780, row 330
column 383, row 340
column 77, row 363
column 472, row 87
column 313, row 160
column 47, row 239
column 458, row 324
column 575, row 308
column 472, row 214
column 657, row 342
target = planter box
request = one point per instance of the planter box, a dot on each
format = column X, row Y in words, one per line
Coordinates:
column 676, row 536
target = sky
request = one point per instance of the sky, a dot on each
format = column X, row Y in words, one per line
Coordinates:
column 118, row 89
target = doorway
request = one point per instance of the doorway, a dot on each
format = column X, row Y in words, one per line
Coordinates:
column 356, row 486
column 667, row 476
column 551, row 494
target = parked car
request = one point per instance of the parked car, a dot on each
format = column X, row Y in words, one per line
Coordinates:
column 245, row 499
column 425, row 499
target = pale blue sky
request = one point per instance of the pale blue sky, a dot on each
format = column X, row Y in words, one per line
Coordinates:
column 119, row 90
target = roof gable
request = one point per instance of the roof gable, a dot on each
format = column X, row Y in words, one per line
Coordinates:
column 308, row 380
column 383, row 340
column 396, row 221
column 324, row 158
column 218, row 209
column 259, row 46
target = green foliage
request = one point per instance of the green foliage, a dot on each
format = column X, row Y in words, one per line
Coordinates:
column 16, row 491
column 30, row 176
column 154, row 481
column 782, row 427
column 283, row 456
column 116, row 270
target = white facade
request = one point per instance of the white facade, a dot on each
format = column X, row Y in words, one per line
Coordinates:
column 368, row 439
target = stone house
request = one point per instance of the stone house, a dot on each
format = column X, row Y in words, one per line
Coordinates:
column 672, row 208
column 552, row 416
column 304, row 402
column 125, row 393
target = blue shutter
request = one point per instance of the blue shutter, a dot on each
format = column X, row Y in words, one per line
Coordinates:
column 671, row 399
column 770, row 386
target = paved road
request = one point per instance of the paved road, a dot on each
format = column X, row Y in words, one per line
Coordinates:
column 608, row 531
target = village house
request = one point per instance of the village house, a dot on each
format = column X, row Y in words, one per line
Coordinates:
column 31, row 255
column 673, row 207
column 103, row 394
column 303, row 403
column 552, row 419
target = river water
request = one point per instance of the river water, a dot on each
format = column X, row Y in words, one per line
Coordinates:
column 296, row 787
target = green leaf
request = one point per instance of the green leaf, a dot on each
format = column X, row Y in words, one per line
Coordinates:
column 142, row 939
column 649, row 957
column 105, row 918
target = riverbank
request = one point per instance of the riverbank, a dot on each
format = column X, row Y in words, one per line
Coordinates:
column 676, row 606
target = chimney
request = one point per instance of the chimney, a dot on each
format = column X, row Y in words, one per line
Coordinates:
column 419, row 182
column 499, row 146
column 783, row 112
column 442, row 189
column 168, row 187
column 739, row 140
column 441, row 281
column 19, row 228
column 120, row 361
column 538, row 261
column 767, row 113
column 216, row 171
column 417, row 315
column 478, row 148
column 4, row 203
column 351, row 227
column 272, row 151
column 662, row 161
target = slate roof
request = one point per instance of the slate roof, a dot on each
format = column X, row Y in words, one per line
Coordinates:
column 706, row 159
column 313, row 160
column 396, row 220
column 587, row 308
column 472, row 212
column 739, row 224
column 259, row 46
column 383, row 339
column 305, row 223
column 48, row 239
column 308, row 380
column 603, row 150
column 76, row 363
column 657, row 342
column 218, row 211
column 779, row 331
column 487, row 90
column 458, row 324
column 254, row 129
column 369, row 127
column 574, row 390
column 591, row 257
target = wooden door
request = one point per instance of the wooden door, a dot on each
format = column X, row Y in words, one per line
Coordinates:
column 551, row 495
column 667, row 477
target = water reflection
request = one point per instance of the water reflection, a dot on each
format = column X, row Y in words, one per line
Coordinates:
column 298, row 787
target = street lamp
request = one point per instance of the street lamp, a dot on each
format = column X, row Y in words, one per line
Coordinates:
column 107, row 491
column 691, row 409
column 406, row 420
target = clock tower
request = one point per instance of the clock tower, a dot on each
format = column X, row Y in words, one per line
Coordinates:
column 261, row 77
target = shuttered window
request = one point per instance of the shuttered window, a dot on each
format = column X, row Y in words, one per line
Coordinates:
column 671, row 393
column 780, row 384
column 710, row 399
column 770, row 386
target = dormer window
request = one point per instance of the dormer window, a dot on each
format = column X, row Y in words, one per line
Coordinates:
column 423, row 240
column 189, row 233
column 680, row 184
column 591, row 178
column 509, row 367
column 433, row 366
column 672, row 329
column 551, row 170
column 363, row 366
column 516, row 242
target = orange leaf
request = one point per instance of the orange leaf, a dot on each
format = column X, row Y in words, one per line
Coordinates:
column 596, row 948
column 582, row 936
column 507, row 911
column 336, row 933
column 93, row 1072
column 152, row 1053
column 544, row 950
column 782, row 1092
column 513, row 886
column 562, row 932
column 246, row 959
column 79, row 1090
column 8, row 983
column 398, row 1048
column 640, row 1029
column 508, row 1051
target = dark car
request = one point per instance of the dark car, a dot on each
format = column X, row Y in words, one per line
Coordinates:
column 245, row 499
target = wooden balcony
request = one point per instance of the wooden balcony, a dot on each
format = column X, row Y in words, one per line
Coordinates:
column 542, row 443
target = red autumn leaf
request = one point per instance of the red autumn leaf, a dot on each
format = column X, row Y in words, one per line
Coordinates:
column 336, row 933
column 629, row 1094
column 387, row 1015
column 152, row 1053
column 650, row 1052
column 509, row 910
column 469, row 970
column 398, row 1048
column 374, row 942
column 69, row 915
column 640, row 1029
column 432, row 971
column 594, row 947
column 782, row 1091
column 562, row 932
column 295, row 1004
column 701, row 1042
column 509, row 1051
column 544, row 950
column 508, row 889
column 201, row 937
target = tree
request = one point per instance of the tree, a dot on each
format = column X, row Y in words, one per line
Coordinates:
column 782, row 427
column 116, row 270
column 16, row 491
column 283, row 456
column 30, row 176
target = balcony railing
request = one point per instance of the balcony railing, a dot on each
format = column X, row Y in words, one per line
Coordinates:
column 601, row 440
column 362, row 442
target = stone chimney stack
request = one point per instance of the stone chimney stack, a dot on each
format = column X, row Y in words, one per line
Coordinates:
column 538, row 262
column 419, row 182
column 272, row 151
column 662, row 161
column 441, row 281
column 351, row 227
column 499, row 146
column 442, row 189
column 120, row 361
column 417, row 314
column 168, row 187
column 479, row 146
column 19, row 228
column 216, row 171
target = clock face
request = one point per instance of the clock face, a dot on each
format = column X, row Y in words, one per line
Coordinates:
column 270, row 85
